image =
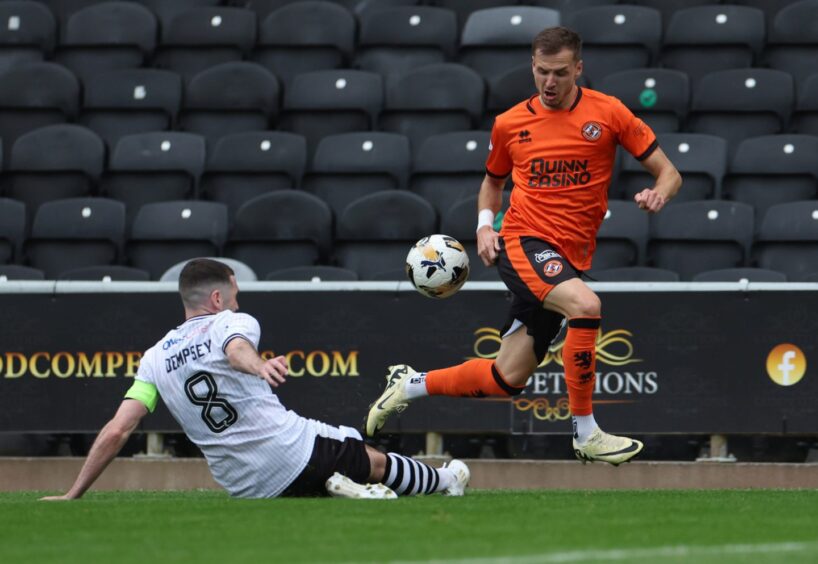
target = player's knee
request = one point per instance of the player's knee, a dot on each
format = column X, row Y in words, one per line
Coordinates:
column 586, row 305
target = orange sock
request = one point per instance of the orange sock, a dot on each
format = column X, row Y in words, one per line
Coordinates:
column 579, row 360
column 474, row 378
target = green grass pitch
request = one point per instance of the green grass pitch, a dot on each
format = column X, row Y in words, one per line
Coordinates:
column 483, row 526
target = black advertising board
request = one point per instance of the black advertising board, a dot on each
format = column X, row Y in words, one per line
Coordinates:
column 672, row 361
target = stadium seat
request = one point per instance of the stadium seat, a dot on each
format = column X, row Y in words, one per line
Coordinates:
column 74, row 233
column 740, row 275
column 201, row 38
column 449, row 167
column 616, row 38
column 402, row 38
column 705, row 39
column 622, row 237
column 230, row 98
column 350, row 165
column 633, row 274
column 328, row 102
column 62, row 10
column 769, row 7
column 19, row 272
column 303, row 37
column 242, row 272
column 167, row 10
column 669, row 7
column 376, row 231
column 432, row 99
column 693, row 237
column 773, row 169
column 741, row 103
column 701, row 160
column 318, row 273
column 244, row 165
column 28, row 35
column 109, row 273
column 35, row 95
column 805, row 118
column 791, row 44
column 460, row 222
column 280, row 230
column 122, row 102
column 154, row 167
column 54, row 162
column 464, row 8
column 12, row 229
column 788, row 240
column 165, row 233
column 660, row 97
column 497, row 39
column 567, row 6
column 105, row 36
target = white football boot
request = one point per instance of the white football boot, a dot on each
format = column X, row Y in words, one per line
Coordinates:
column 339, row 485
column 461, row 477
column 392, row 400
column 608, row 448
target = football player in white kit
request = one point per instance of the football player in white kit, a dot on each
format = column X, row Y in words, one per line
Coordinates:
column 209, row 374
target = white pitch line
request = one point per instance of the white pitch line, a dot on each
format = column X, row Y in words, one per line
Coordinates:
column 619, row 554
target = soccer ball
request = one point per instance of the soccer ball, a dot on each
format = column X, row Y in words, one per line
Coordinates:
column 437, row 266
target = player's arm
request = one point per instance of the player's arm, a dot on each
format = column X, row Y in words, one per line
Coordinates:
column 489, row 203
column 243, row 356
column 668, row 182
column 106, row 446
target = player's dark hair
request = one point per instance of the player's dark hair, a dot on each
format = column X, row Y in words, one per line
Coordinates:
column 552, row 40
column 199, row 277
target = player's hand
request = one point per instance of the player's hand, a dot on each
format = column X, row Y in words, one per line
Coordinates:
column 650, row 200
column 488, row 245
column 274, row 370
column 63, row 497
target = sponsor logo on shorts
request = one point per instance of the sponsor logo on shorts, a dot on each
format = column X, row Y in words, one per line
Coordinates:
column 552, row 268
column 591, row 130
column 543, row 256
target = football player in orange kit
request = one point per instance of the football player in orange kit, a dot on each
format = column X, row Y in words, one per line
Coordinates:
column 559, row 147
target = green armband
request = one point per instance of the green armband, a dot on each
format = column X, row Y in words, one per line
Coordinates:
column 144, row 392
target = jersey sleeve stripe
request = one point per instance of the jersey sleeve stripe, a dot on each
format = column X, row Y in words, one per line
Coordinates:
column 235, row 336
column 649, row 151
column 498, row 176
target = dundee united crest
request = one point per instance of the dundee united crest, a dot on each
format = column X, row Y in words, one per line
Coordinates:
column 591, row 130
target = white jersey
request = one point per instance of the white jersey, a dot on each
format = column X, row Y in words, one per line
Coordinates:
column 253, row 445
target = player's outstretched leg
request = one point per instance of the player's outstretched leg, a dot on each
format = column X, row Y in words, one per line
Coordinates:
column 407, row 476
column 394, row 398
column 339, row 485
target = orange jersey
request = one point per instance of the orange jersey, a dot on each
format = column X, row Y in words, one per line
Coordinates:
column 561, row 163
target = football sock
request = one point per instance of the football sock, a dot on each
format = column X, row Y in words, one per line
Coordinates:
column 407, row 476
column 475, row 378
column 584, row 425
column 416, row 386
column 579, row 360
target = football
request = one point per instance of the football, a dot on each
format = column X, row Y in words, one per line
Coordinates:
column 437, row 266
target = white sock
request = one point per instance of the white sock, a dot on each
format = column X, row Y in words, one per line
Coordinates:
column 584, row 425
column 416, row 386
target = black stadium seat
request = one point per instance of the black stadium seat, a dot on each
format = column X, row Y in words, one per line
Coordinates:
column 660, row 97
column 28, row 35
column 788, row 240
column 75, row 232
column 791, row 44
column 108, row 273
column 740, row 274
column 622, row 237
column 167, row 10
column 318, row 273
column 805, row 118
column 12, row 229
column 19, row 272
column 633, row 274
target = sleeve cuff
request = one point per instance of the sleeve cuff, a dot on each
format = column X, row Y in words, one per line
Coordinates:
column 649, row 151
column 498, row 176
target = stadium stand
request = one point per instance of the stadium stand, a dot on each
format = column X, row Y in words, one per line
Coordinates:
column 230, row 98
column 693, row 237
column 165, row 233
column 318, row 273
column 497, row 39
column 402, row 38
column 153, row 167
column 622, row 237
column 792, row 45
column 75, row 232
column 350, row 165
column 660, row 97
column 109, row 273
column 242, row 272
column 634, row 274
column 18, row 272
column 29, row 34
column 740, row 274
column 280, row 230
column 771, row 8
column 701, row 159
column 805, row 117
column 305, row 36
column 201, row 38
column 62, row 10
column 667, row 8
column 52, row 163
column 12, row 229
column 105, row 36
column 244, row 165
column 328, row 102
column 123, row 102
column 788, row 240
column 167, row 10
column 375, row 231
column 773, row 169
